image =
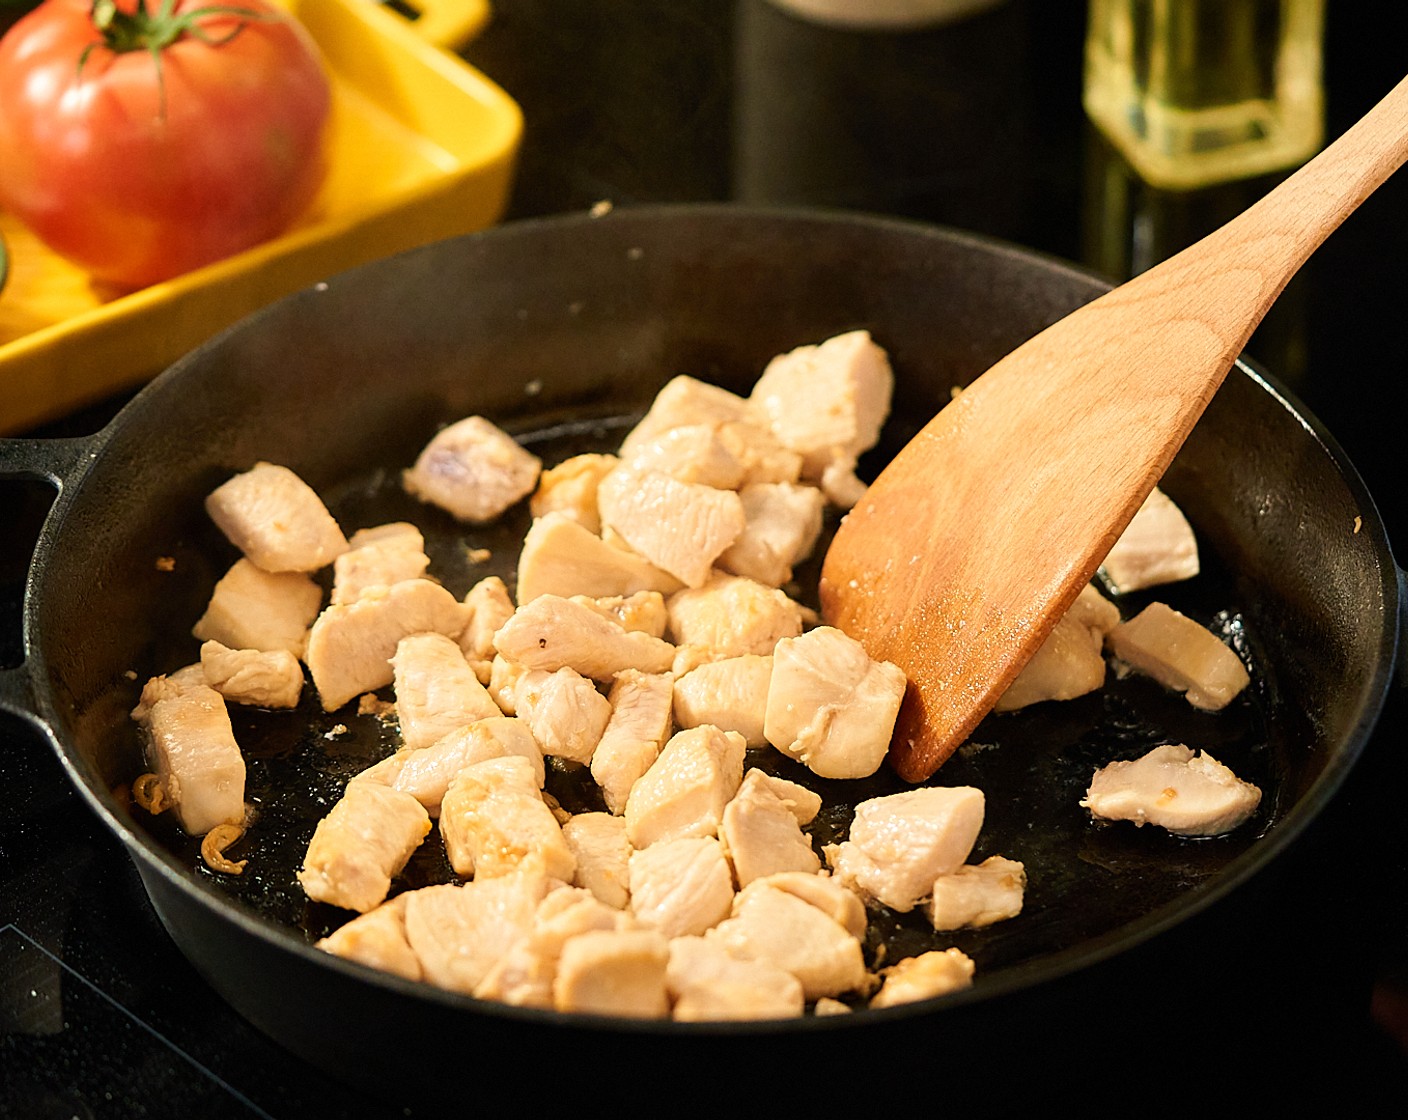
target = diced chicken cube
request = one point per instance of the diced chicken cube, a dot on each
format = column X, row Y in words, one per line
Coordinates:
column 276, row 519
column 460, row 932
column 685, row 790
column 761, row 834
column 731, row 616
column 763, row 457
column 436, row 690
column 773, row 925
column 927, row 976
column 685, row 400
column 262, row 678
column 681, row 886
column 691, row 453
column 378, row 557
column 560, row 557
column 826, row 401
column 426, row 773
column 680, row 527
column 504, row 677
column 978, row 895
column 707, row 984
column 781, row 524
column 570, row 489
column 614, row 972
column 1181, row 655
column 603, row 852
column 474, row 470
column 840, row 484
column 565, row 712
column 1071, row 661
column 495, row 822
column 489, row 608
column 639, row 726
column 1156, row 547
column 1188, row 794
column 830, row 706
column 899, row 844
column 254, row 609
column 191, row 747
column 361, row 845
column 731, row 694
column 827, row 893
column 350, row 646
column 552, row 632
column 377, row 939
column 642, row 613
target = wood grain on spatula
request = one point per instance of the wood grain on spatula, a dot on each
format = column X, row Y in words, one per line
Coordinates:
column 980, row 533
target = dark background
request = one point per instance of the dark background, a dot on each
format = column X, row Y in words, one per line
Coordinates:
column 976, row 125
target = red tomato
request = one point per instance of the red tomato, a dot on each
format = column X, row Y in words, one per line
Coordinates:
column 140, row 161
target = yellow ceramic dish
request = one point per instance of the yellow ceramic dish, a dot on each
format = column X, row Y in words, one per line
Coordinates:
column 422, row 147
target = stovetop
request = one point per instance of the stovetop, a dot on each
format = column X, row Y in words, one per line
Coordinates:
column 977, row 125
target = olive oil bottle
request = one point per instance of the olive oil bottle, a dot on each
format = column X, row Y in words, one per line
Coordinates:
column 1197, row 92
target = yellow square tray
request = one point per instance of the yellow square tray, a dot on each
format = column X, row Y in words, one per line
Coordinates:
column 422, row 146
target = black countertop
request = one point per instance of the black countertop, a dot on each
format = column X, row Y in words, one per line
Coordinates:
column 976, row 125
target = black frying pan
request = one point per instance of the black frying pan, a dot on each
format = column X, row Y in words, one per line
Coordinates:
column 562, row 330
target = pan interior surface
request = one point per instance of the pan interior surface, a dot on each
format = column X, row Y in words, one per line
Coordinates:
column 561, row 331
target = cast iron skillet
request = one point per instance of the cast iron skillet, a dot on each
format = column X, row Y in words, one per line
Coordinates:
column 562, row 330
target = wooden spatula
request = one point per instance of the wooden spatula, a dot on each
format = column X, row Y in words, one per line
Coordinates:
column 978, row 536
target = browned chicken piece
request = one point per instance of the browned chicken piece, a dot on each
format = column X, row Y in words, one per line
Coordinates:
column 361, row 845
column 565, row 712
column 261, row 678
column 639, row 726
column 776, row 926
column 426, row 773
column 495, row 822
column 473, row 470
column 603, row 853
column 254, row 609
column 691, row 453
column 927, row 976
column 763, row 457
column 781, row 524
column 524, row 976
column 1188, row 794
column 899, row 844
column 680, row 527
column 828, row 894
column 830, row 706
column 1157, row 547
column 761, row 834
column 350, row 645
column 828, row 401
column 978, row 895
column 378, row 557
column 490, row 606
column 681, row 886
column 731, row 694
column 1071, row 661
column 614, row 972
column 436, row 690
column 728, row 617
column 1180, row 654
column 685, row 400
column 707, row 985
column 276, row 520
column 551, row 633
column 460, row 932
column 560, row 557
column 377, row 939
column 570, row 489
column 191, row 747
column 685, row 790
column 643, row 613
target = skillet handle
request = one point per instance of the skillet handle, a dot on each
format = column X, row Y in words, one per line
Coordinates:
column 57, row 462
